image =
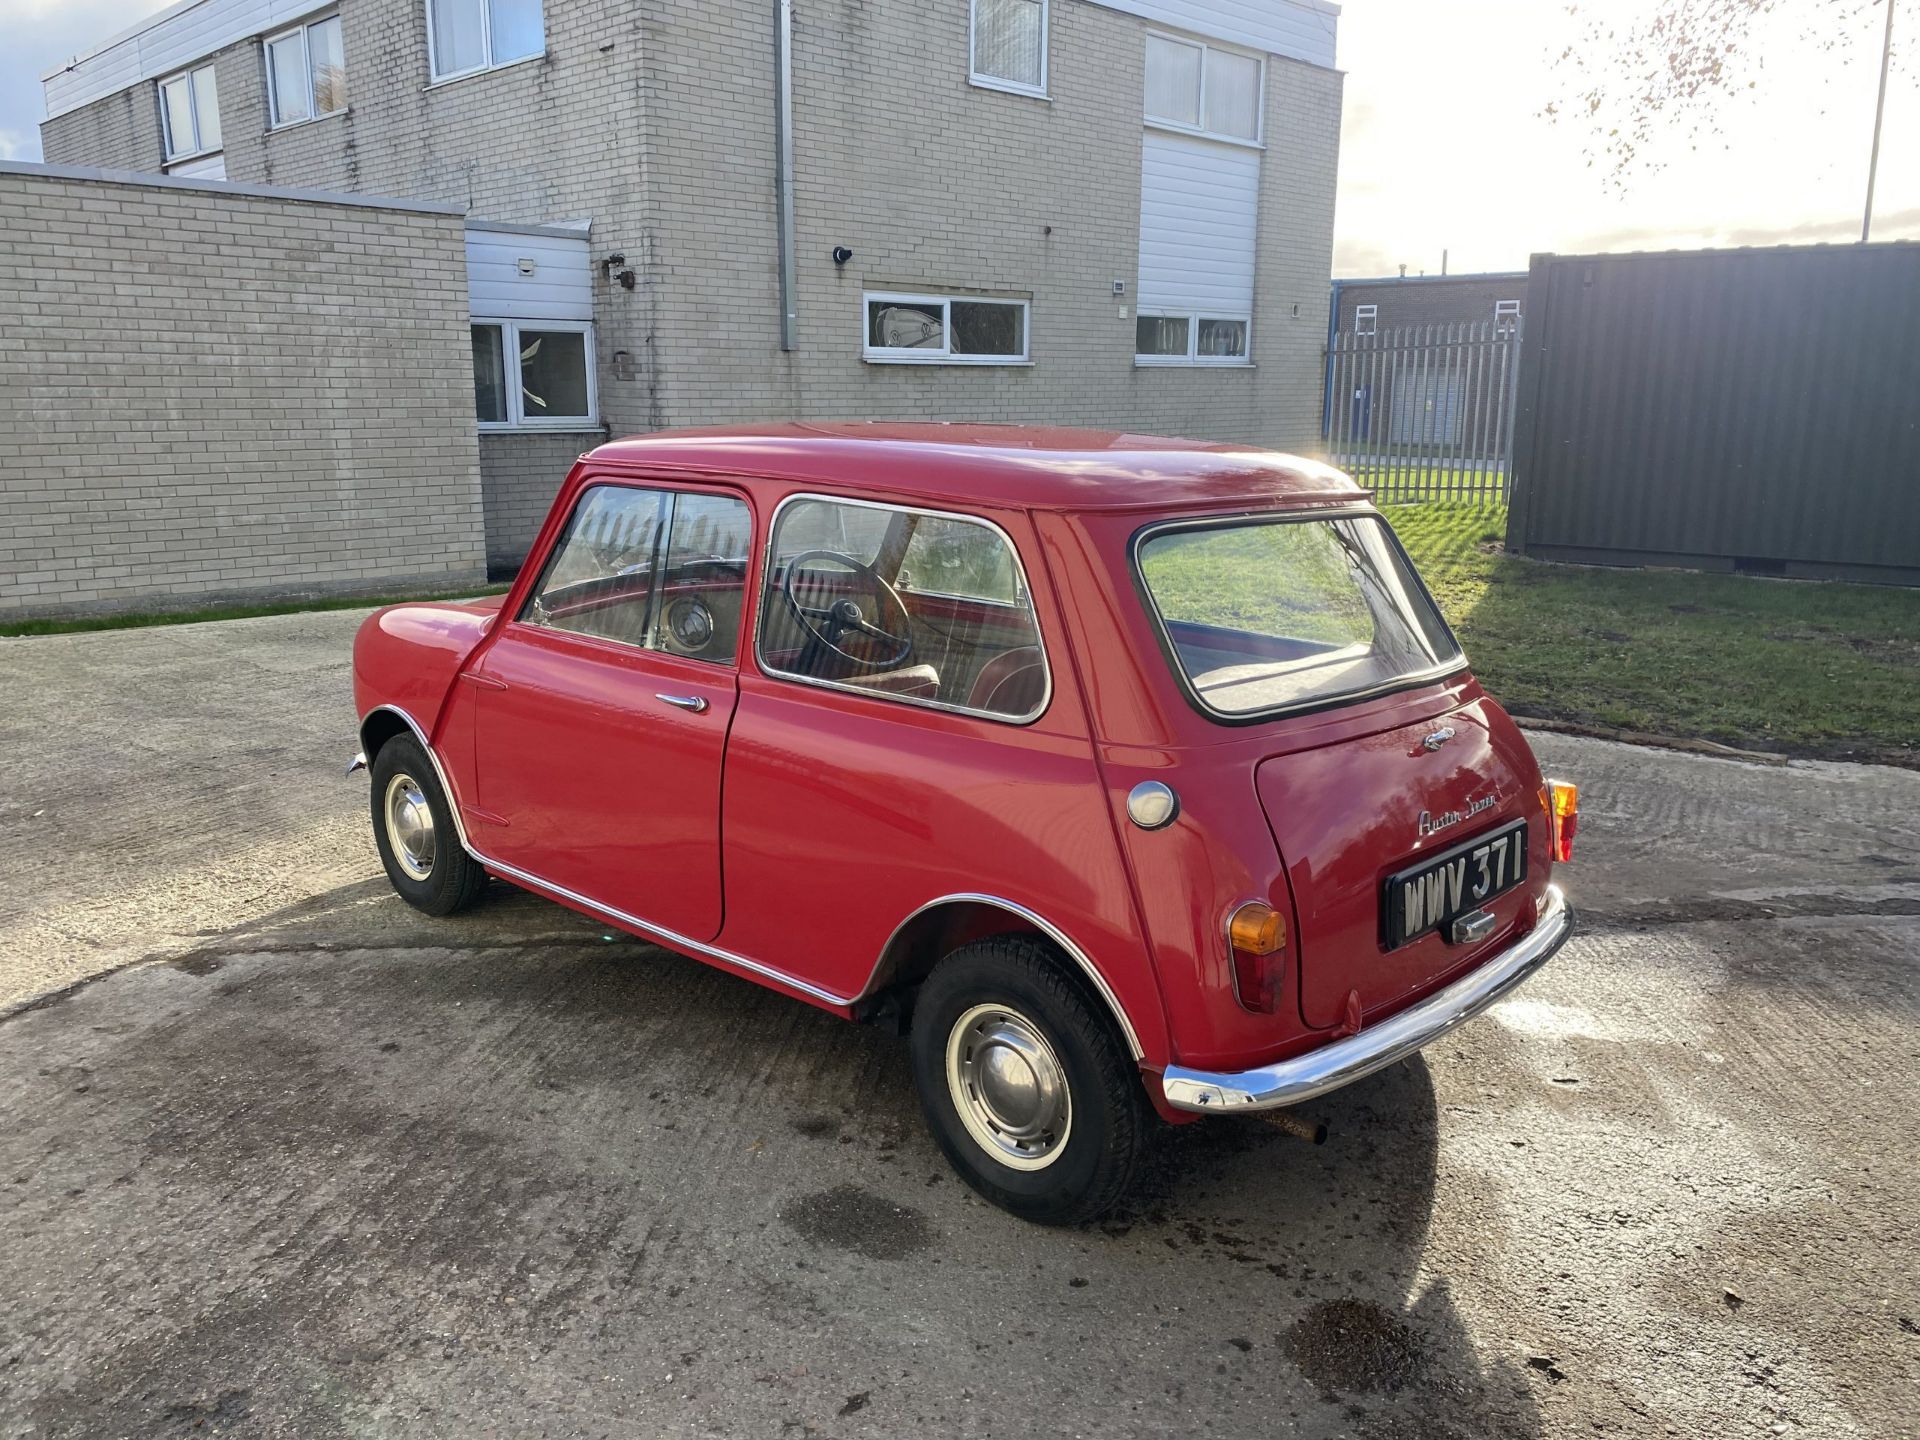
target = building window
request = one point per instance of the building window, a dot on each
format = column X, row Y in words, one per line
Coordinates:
column 533, row 374
column 306, row 72
column 944, row 330
column 1203, row 89
column 466, row 36
column 1366, row 319
column 1506, row 316
column 1009, row 45
column 190, row 113
column 1164, row 339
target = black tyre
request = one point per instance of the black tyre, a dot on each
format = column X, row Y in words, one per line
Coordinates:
column 1026, row 1083
column 414, row 830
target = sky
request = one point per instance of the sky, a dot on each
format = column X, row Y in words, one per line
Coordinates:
column 1443, row 148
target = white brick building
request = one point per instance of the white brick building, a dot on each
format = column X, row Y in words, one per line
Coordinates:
column 1105, row 212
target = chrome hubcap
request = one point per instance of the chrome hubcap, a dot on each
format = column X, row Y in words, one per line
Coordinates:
column 410, row 826
column 1009, row 1087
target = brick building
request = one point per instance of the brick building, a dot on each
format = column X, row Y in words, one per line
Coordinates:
column 1399, row 302
column 689, row 211
column 228, row 392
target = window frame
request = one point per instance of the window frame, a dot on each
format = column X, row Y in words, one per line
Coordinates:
column 673, row 488
column 976, row 77
column 190, row 76
column 1193, row 358
column 436, row 76
column 885, row 697
column 884, row 355
column 1180, row 127
column 267, row 43
column 517, row 421
column 1170, row 651
column 1371, row 315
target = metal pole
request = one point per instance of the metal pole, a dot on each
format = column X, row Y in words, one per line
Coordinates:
column 1879, row 114
column 783, row 121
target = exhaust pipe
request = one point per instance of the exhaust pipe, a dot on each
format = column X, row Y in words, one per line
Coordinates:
column 1293, row 1123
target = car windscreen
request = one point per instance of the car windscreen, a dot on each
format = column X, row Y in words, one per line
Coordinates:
column 1263, row 615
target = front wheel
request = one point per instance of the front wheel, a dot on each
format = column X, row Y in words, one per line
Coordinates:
column 1025, row 1083
column 414, row 830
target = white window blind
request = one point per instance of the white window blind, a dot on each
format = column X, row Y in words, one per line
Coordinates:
column 190, row 113
column 1010, row 43
column 1233, row 94
column 470, row 35
column 1194, row 86
column 1173, row 80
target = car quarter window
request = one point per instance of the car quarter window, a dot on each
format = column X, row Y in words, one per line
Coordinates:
column 656, row 569
column 909, row 605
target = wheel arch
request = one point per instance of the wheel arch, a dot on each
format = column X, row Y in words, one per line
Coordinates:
column 383, row 723
column 938, row 927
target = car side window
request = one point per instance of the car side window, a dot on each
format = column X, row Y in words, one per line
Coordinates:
column 655, row 569
column 916, row 606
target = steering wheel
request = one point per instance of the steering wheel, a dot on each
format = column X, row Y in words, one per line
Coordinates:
column 830, row 624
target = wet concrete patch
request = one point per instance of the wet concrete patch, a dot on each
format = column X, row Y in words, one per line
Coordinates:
column 1347, row 1345
column 849, row 1218
column 197, row 962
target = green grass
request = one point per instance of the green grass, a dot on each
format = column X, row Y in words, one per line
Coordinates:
column 1798, row 666
column 75, row 624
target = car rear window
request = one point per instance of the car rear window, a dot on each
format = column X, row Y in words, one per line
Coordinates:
column 1268, row 615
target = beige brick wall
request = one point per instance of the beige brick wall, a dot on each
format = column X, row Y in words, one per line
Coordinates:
column 520, row 475
column 212, row 394
column 657, row 122
column 121, row 132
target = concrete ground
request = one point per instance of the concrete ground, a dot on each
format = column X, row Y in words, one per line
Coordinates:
column 325, row 1167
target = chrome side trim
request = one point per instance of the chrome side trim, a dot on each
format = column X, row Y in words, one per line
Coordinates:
column 1039, row 922
column 1291, row 1082
column 358, row 763
column 672, row 939
column 439, row 772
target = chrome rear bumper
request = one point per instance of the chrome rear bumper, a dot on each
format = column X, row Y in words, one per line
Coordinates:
column 1289, row 1082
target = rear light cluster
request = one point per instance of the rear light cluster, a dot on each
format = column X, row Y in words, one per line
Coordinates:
column 1563, row 814
column 1257, row 935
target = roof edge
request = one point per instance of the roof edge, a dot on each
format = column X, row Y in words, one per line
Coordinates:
column 35, row 170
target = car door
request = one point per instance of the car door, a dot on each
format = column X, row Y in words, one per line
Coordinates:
column 602, row 707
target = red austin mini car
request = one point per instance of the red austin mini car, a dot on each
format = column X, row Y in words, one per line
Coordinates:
column 1128, row 774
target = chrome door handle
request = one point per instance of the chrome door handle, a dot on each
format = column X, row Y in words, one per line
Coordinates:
column 695, row 703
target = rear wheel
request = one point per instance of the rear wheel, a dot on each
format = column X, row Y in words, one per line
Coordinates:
column 413, row 828
column 1025, row 1084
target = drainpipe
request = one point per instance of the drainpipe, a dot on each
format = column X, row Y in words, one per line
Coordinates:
column 783, row 126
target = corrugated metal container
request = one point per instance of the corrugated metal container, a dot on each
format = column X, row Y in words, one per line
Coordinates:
column 1753, row 410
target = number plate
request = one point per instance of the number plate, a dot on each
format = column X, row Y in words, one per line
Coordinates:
column 1440, row 890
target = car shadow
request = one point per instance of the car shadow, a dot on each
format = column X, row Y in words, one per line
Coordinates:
column 1361, row 1307
column 474, row 1156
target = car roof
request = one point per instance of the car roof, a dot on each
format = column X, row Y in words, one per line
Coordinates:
column 1018, row 466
